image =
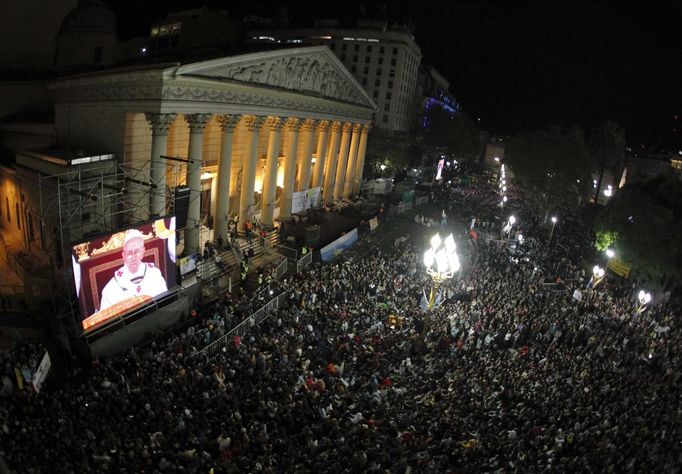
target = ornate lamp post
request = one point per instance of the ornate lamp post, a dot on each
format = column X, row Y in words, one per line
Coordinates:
column 644, row 299
column 441, row 263
column 597, row 276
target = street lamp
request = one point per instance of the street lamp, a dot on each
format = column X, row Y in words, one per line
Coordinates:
column 644, row 299
column 598, row 274
column 551, row 232
column 441, row 263
column 508, row 226
column 610, row 253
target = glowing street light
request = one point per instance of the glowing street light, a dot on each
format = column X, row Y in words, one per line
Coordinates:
column 551, row 232
column 644, row 299
column 610, row 253
column 598, row 274
column 442, row 262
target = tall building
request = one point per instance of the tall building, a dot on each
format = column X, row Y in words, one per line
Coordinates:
column 383, row 59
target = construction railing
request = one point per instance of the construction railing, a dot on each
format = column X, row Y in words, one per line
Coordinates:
column 281, row 269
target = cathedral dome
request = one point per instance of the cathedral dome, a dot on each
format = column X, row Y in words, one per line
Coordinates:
column 90, row 16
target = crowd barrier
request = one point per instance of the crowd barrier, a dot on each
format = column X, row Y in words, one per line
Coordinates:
column 304, row 261
column 242, row 328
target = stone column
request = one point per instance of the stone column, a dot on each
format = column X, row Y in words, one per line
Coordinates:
column 289, row 169
column 352, row 158
column 227, row 125
column 197, row 123
column 322, row 140
column 330, row 172
column 362, row 148
column 343, row 160
column 250, row 160
column 270, row 172
column 159, row 123
column 304, row 161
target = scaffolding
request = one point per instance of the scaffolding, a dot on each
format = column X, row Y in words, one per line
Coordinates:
column 88, row 200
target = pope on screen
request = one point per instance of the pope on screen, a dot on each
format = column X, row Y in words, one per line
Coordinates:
column 135, row 277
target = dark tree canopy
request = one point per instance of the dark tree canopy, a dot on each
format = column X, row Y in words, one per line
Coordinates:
column 553, row 164
column 648, row 220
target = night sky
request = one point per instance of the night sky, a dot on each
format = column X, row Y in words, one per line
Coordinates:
column 514, row 65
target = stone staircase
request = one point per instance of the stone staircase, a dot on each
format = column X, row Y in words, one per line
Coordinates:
column 231, row 256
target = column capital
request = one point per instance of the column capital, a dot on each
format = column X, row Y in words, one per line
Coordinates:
column 347, row 127
column 366, row 127
column 336, row 126
column 357, row 127
column 160, row 123
column 308, row 124
column 254, row 122
column 293, row 123
column 275, row 123
column 323, row 125
column 228, row 122
column 197, row 122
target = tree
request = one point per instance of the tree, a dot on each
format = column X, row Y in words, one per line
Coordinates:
column 457, row 132
column 647, row 218
column 607, row 144
column 553, row 165
column 394, row 153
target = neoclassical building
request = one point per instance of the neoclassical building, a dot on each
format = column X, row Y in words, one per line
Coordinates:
column 244, row 133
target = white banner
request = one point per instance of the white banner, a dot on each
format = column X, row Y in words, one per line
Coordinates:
column 301, row 201
column 577, row 295
column 41, row 372
column 373, row 223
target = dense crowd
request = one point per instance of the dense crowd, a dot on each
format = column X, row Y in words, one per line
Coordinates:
column 510, row 375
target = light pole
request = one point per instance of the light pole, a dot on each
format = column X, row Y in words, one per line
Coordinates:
column 598, row 274
column 551, row 232
column 644, row 299
column 508, row 226
column 441, row 263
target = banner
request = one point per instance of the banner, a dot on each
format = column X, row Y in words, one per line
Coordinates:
column 439, row 171
column 619, row 267
column 577, row 295
column 344, row 242
column 301, row 201
column 41, row 372
column 373, row 223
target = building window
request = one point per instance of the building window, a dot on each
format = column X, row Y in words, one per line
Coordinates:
column 375, row 94
column 343, row 57
column 364, row 81
column 387, row 107
column 378, row 71
column 332, row 46
column 369, row 48
column 97, row 55
column 395, row 51
column 377, row 83
column 367, row 58
column 391, row 73
column 357, row 48
column 344, row 47
column 355, row 58
column 393, row 61
column 390, row 84
column 385, row 118
column 354, row 69
column 388, row 96
column 366, row 70
column 382, row 49
column 381, row 60
column 16, row 209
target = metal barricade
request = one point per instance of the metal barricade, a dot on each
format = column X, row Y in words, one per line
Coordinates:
column 421, row 200
column 304, row 261
column 242, row 328
column 281, row 269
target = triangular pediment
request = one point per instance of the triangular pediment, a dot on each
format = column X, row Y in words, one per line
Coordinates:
column 311, row 70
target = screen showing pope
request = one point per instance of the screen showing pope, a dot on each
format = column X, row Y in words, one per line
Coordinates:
column 135, row 277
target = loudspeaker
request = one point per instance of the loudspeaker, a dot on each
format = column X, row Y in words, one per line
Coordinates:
column 180, row 206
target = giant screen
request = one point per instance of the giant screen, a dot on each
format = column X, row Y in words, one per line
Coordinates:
column 121, row 272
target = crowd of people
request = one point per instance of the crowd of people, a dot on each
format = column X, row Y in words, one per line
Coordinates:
column 509, row 375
